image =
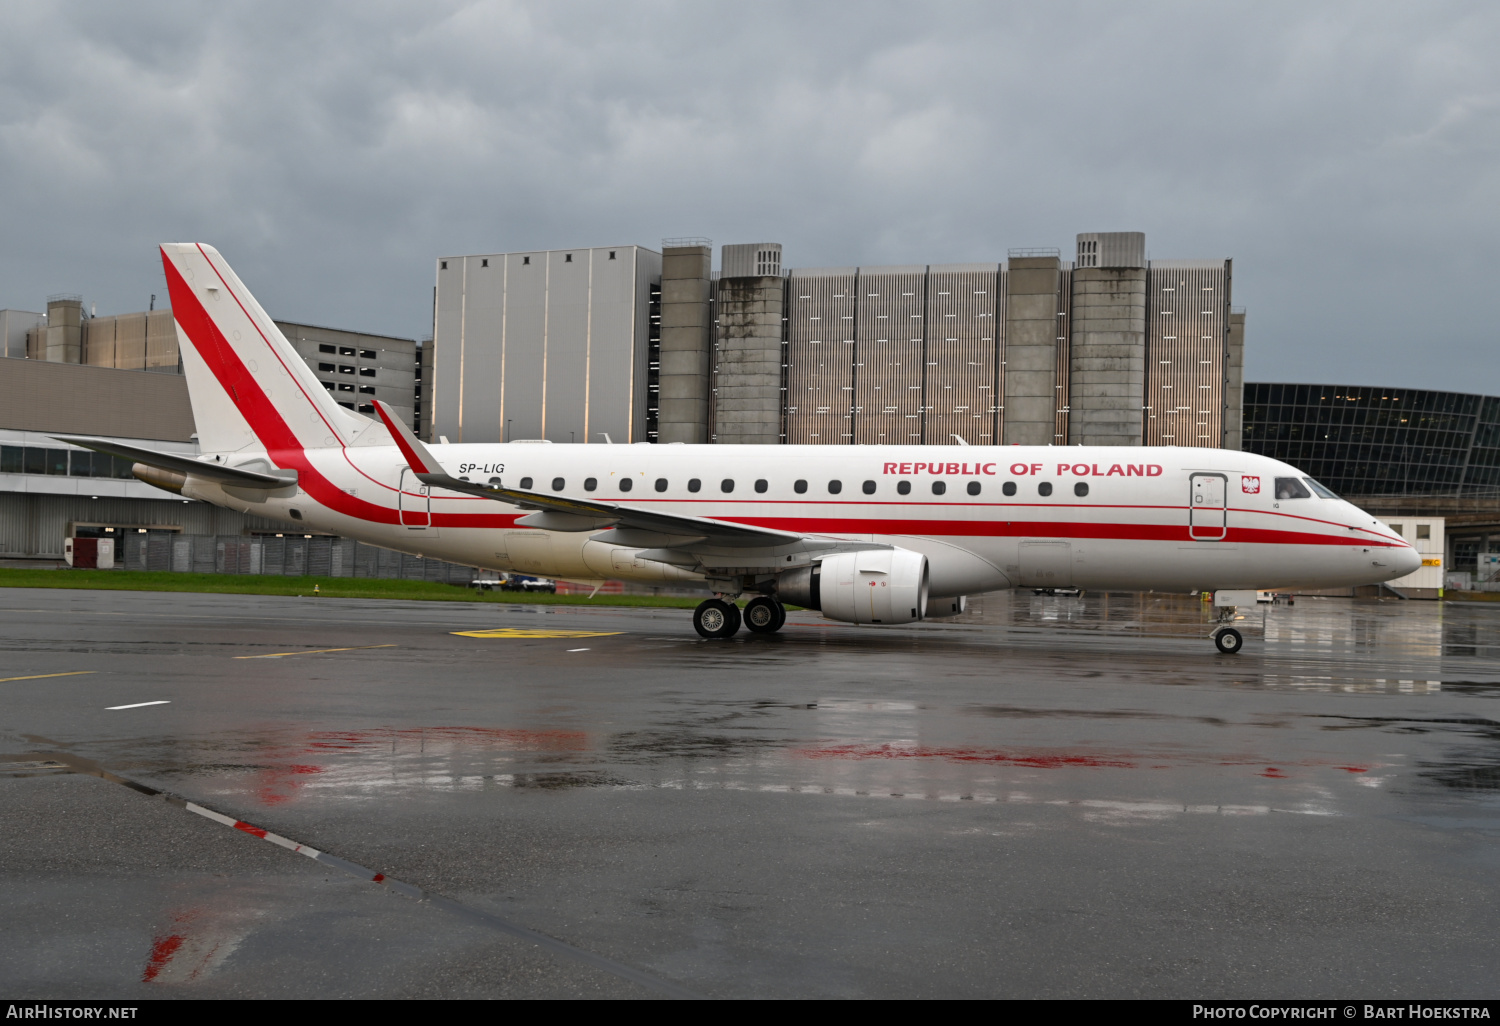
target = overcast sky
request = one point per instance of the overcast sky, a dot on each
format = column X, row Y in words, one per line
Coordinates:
column 1346, row 156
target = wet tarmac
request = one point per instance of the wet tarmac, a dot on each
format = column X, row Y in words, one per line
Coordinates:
column 1049, row 796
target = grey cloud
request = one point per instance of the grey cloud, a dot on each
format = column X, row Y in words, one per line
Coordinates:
column 1343, row 154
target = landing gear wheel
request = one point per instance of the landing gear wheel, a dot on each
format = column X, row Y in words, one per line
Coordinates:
column 1229, row 640
column 764, row 615
column 715, row 618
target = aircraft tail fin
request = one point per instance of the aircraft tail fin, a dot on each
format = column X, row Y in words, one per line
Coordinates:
column 248, row 387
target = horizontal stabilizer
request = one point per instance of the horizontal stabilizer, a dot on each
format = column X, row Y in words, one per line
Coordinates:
column 184, row 464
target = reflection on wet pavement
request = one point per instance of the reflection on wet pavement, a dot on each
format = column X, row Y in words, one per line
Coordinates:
column 711, row 812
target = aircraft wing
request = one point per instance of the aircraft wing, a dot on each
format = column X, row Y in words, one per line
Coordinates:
column 183, row 464
column 571, row 514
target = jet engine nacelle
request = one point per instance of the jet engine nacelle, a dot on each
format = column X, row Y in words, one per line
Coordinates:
column 875, row 586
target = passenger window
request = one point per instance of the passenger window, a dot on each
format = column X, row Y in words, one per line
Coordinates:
column 903, row 487
column 525, row 482
column 868, row 487
column 625, row 484
column 661, row 484
column 558, row 484
column 939, row 487
column 973, row 487
column 761, row 485
column 1291, row 488
column 727, row 485
column 694, row 485
column 1081, row 489
column 590, row 483
column 800, row 487
column 1008, row 488
column 834, row 487
column 1045, row 488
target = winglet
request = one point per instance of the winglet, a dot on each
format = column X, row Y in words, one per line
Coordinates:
column 417, row 457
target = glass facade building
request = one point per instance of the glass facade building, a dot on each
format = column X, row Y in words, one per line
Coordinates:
column 1370, row 441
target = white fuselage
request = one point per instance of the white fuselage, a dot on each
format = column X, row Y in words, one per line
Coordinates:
column 986, row 517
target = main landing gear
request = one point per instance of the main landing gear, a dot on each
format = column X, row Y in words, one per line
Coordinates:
column 715, row 618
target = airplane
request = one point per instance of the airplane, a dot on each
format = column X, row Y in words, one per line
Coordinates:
column 865, row 534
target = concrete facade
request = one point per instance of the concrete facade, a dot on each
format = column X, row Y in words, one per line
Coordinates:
column 1030, row 349
column 545, row 344
column 748, row 357
column 1234, row 382
column 61, row 340
column 357, row 367
column 686, row 334
column 1107, row 359
column 133, row 341
column 15, row 326
column 39, row 395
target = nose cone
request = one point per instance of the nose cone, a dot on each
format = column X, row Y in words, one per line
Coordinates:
column 1404, row 561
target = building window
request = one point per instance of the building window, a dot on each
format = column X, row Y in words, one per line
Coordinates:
column 567, row 258
column 346, row 350
column 347, row 406
column 526, row 261
column 367, row 354
column 329, row 385
column 370, row 390
column 367, row 372
column 611, row 254
column 485, row 262
column 324, row 348
column 345, row 387
column 444, row 265
column 326, row 368
column 344, row 368
column 366, row 408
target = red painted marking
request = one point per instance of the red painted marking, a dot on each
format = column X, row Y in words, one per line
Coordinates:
column 162, row 950
column 1354, row 769
column 1034, row 761
column 253, row 831
column 1272, row 771
column 378, row 877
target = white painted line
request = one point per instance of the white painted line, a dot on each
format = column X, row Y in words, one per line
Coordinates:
column 138, row 705
column 577, row 650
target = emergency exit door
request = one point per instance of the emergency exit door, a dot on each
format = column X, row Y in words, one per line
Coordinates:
column 414, row 501
column 1208, row 515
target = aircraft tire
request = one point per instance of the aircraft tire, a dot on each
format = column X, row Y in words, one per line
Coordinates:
column 1229, row 641
column 715, row 618
column 764, row 615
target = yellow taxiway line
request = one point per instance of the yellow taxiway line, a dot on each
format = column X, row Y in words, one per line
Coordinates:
column 39, row 676
column 532, row 632
column 311, row 651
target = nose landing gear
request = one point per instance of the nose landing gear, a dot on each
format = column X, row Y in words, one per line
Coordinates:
column 1229, row 640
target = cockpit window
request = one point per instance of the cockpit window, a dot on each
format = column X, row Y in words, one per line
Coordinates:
column 1291, row 488
column 1318, row 490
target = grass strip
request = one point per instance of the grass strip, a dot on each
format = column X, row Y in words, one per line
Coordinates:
column 328, row 587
